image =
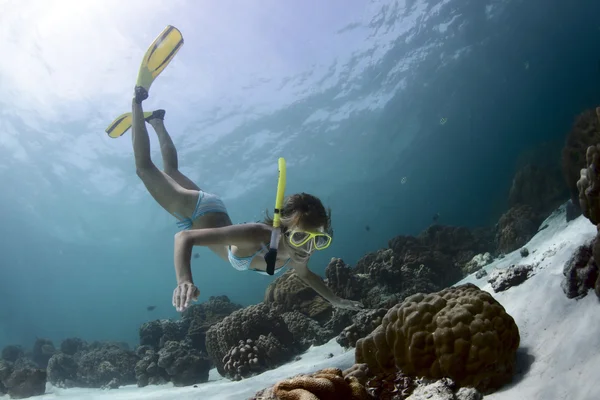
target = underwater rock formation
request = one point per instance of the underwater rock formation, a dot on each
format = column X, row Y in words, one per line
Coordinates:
column 307, row 332
column 251, row 323
column 516, row 227
column 581, row 272
column 588, row 185
column 250, row 357
column 200, row 317
column 95, row 365
column 22, row 378
column 12, row 353
column 475, row 339
column 147, row 371
column 477, row 262
column 342, row 280
column 183, row 364
column 540, row 187
column 289, row 293
column 584, row 133
column 43, row 349
column 423, row 264
column 156, row 333
column 175, row 351
column 514, row 275
column 358, row 383
column 365, row 322
column 326, row 384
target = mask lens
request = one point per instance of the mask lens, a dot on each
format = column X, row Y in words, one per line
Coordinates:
column 298, row 237
column 321, row 241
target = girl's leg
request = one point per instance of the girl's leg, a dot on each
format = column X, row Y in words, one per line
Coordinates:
column 165, row 190
column 168, row 151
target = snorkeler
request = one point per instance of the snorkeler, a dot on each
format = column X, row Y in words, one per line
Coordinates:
column 203, row 218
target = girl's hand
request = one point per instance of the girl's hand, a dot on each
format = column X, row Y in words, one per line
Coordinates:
column 184, row 294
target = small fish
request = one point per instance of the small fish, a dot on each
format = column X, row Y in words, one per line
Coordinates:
column 150, row 308
column 367, row 228
column 196, row 255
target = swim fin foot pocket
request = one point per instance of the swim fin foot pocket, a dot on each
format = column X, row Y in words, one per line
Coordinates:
column 156, row 114
column 141, row 94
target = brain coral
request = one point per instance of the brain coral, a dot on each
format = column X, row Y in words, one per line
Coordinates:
column 461, row 333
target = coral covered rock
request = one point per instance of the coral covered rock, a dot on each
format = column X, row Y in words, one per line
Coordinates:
column 248, row 323
column 540, row 187
column 22, row 379
column 503, row 279
column 97, row 365
column 342, row 281
column 289, row 293
column 581, row 272
column 157, row 333
column 364, row 323
column 307, row 332
column 198, row 318
column 184, row 364
column 12, row 353
column 461, row 333
column 43, row 349
column 588, row 185
column 326, row 384
column 477, row 262
column 584, row 133
column 516, row 227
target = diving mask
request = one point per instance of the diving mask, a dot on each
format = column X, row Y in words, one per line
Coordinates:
column 299, row 238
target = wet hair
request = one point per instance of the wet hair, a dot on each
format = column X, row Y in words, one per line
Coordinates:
column 303, row 209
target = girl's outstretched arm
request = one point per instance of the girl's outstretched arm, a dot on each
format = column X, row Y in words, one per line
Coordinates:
column 315, row 281
column 236, row 235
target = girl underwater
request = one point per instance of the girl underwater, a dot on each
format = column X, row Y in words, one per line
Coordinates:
column 203, row 217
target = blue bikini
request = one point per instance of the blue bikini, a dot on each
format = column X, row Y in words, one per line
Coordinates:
column 243, row 263
column 210, row 203
column 207, row 203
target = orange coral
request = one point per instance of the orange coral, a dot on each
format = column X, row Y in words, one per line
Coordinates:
column 461, row 333
column 326, row 384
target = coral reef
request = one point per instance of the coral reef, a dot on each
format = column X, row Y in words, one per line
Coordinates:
column 460, row 333
column 307, row 332
column 363, row 323
column 581, row 272
column 289, row 293
column 22, row 378
column 540, row 187
column 423, row 264
column 200, row 317
column 183, row 364
column 514, row 275
column 250, row 323
column 95, row 365
column 477, row 262
column 584, row 133
column 516, row 227
column 326, row 384
column 588, row 185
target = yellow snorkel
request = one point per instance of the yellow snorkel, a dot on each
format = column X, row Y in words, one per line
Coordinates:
column 271, row 255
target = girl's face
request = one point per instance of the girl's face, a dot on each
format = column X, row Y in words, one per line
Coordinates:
column 299, row 253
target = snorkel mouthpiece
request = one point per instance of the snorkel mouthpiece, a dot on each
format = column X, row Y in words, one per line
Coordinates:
column 271, row 255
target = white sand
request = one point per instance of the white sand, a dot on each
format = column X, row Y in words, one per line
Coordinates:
column 559, row 354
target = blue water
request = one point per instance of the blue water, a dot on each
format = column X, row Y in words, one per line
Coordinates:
column 351, row 93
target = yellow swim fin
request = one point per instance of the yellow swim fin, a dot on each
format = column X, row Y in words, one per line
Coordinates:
column 122, row 123
column 159, row 55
